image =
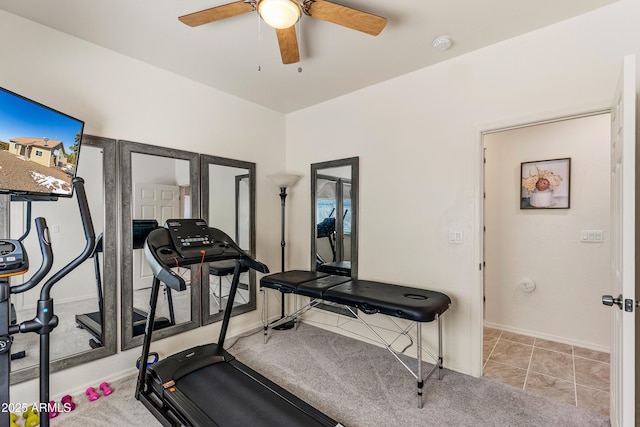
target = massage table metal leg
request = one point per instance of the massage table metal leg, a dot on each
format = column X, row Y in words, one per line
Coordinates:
column 440, row 367
column 295, row 310
column 265, row 314
column 293, row 316
column 419, row 357
column 417, row 375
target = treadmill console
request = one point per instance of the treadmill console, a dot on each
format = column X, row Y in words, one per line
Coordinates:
column 189, row 235
column 13, row 258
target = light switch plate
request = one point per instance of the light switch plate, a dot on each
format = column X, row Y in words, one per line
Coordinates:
column 455, row 237
column 591, row 236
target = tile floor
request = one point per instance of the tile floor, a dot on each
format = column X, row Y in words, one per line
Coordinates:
column 563, row 372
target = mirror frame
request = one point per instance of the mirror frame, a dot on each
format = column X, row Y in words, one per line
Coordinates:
column 205, row 161
column 316, row 169
column 108, row 147
column 126, row 149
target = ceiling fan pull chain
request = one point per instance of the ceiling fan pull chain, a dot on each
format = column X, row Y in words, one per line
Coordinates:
column 299, row 42
column 259, row 44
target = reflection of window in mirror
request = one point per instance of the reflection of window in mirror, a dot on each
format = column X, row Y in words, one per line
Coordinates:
column 334, row 216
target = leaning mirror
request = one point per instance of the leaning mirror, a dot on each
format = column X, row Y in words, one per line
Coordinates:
column 334, row 217
column 84, row 301
column 228, row 203
column 157, row 184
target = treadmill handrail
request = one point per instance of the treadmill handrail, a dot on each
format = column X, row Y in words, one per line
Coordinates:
column 159, row 269
column 245, row 259
column 223, row 249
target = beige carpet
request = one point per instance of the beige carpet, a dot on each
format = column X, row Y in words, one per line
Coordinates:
column 359, row 385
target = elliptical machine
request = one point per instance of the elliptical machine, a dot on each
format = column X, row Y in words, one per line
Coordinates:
column 14, row 261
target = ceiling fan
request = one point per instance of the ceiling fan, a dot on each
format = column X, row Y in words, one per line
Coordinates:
column 284, row 14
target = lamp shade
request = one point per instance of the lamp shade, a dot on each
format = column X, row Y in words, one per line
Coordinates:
column 279, row 14
column 283, row 180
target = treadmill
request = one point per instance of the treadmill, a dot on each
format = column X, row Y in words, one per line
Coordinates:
column 92, row 322
column 206, row 385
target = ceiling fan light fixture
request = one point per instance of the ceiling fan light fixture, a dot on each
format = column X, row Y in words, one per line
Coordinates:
column 279, row 14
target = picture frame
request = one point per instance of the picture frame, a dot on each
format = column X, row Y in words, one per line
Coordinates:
column 545, row 184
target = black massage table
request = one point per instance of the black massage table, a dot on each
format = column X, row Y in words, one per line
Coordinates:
column 339, row 268
column 417, row 305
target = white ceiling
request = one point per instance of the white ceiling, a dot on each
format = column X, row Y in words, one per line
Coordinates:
column 240, row 55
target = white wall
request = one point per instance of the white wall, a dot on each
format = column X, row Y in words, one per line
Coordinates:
column 545, row 245
column 122, row 98
column 418, row 138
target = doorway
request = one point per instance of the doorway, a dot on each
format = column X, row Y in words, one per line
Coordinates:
column 547, row 266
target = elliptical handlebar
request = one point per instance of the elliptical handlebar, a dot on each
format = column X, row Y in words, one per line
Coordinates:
column 47, row 258
column 87, row 223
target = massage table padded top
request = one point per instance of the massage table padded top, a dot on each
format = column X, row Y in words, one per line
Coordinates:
column 317, row 288
column 308, row 283
column 288, row 281
column 415, row 304
column 419, row 305
column 340, row 268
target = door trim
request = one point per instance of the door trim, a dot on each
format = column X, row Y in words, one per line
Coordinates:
column 477, row 295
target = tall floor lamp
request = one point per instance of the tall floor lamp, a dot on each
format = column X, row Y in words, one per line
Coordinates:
column 283, row 181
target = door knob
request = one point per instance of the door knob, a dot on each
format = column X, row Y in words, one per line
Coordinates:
column 609, row 300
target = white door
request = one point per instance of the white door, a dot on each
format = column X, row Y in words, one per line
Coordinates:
column 152, row 201
column 622, row 298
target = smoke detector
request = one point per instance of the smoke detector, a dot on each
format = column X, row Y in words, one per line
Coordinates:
column 442, row 42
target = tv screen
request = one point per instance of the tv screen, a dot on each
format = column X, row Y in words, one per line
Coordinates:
column 39, row 148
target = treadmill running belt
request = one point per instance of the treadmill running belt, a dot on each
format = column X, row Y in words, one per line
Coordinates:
column 232, row 398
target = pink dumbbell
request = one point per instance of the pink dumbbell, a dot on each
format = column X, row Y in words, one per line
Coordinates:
column 106, row 390
column 53, row 412
column 68, row 403
column 91, row 392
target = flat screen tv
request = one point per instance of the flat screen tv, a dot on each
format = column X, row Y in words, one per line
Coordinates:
column 39, row 148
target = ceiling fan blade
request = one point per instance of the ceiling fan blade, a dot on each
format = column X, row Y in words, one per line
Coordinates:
column 288, row 45
column 347, row 17
column 216, row 13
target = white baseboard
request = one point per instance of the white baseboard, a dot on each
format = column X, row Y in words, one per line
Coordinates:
column 549, row 337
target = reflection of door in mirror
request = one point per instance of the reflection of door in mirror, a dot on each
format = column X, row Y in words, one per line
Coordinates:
column 228, row 196
column 83, row 291
column 152, row 180
column 334, row 213
column 161, row 197
column 158, row 202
